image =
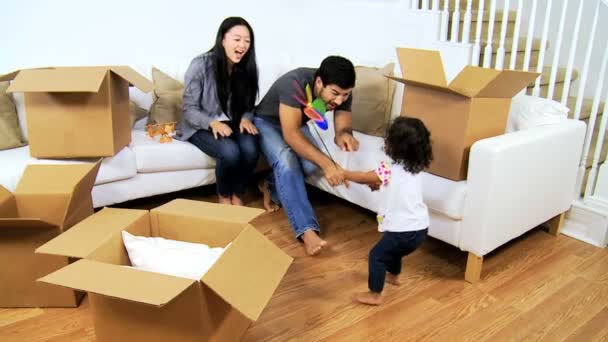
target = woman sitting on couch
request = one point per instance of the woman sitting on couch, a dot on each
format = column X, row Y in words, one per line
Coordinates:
column 221, row 86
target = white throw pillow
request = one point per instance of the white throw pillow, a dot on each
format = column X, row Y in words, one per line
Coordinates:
column 529, row 111
column 177, row 258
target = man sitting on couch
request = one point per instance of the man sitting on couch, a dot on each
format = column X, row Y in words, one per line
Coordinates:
column 289, row 146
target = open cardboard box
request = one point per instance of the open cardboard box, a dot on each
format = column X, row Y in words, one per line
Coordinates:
column 77, row 111
column 48, row 200
column 473, row 106
column 134, row 305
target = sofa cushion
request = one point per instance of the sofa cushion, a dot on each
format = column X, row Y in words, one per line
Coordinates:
column 372, row 99
column 10, row 133
column 168, row 98
column 528, row 111
column 153, row 156
column 119, row 167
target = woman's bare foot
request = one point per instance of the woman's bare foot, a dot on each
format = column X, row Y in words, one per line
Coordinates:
column 313, row 242
column 393, row 279
column 269, row 205
column 369, row 298
column 236, row 200
column 224, row 200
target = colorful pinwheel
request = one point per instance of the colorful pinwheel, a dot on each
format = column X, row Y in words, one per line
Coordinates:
column 314, row 109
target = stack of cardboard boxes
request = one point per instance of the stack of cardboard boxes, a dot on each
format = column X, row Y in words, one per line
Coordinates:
column 75, row 112
column 71, row 112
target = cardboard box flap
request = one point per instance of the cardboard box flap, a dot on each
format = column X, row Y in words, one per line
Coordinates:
column 422, row 66
column 508, row 83
column 81, row 199
column 472, row 80
column 85, row 237
column 55, row 178
column 119, row 282
column 74, row 79
column 423, row 85
column 9, row 77
column 248, row 272
column 8, row 205
column 25, row 223
column 134, row 78
column 210, row 211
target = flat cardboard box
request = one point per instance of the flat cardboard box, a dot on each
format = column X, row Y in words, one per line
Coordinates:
column 134, row 305
column 473, row 106
column 48, row 200
column 75, row 112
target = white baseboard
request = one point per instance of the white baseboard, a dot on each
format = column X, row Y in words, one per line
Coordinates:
column 587, row 223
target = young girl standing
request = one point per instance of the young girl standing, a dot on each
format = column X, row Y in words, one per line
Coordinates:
column 403, row 217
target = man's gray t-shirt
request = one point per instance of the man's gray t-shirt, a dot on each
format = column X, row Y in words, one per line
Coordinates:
column 284, row 91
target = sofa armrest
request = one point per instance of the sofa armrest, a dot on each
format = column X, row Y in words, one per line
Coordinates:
column 517, row 181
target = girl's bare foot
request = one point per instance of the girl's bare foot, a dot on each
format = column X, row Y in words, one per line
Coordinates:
column 393, row 279
column 223, row 200
column 236, row 200
column 312, row 242
column 269, row 205
column 369, row 298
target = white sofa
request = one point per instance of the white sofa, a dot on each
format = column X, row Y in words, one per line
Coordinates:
column 516, row 181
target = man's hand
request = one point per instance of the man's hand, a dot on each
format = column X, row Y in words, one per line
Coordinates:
column 334, row 175
column 220, row 128
column 346, row 141
column 247, row 126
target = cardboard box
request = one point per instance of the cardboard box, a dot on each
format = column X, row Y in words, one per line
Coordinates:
column 134, row 305
column 474, row 106
column 48, row 200
column 77, row 111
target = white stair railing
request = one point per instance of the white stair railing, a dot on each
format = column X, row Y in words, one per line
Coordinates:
column 515, row 42
column 573, row 47
column 530, row 36
column 487, row 52
column 478, row 28
column 455, row 22
column 500, row 52
column 558, row 46
column 466, row 26
column 543, row 47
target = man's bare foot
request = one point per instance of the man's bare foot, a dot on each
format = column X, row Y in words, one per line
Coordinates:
column 223, row 200
column 369, row 298
column 313, row 242
column 393, row 279
column 269, row 205
column 236, row 200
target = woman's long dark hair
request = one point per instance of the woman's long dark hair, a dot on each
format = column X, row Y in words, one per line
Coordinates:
column 243, row 81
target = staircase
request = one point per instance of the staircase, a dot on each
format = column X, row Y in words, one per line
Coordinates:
column 534, row 62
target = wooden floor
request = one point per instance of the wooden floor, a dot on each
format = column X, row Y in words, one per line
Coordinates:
column 536, row 288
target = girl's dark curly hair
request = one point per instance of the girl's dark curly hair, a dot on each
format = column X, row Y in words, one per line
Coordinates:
column 408, row 142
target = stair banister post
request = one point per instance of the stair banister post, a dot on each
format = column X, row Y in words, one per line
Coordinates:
column 515, row 42
column 558, row 47
column 477, row 46
column 487, row 52
column 530, row 35
column 573, row 48
column 500, row 52
column 543, row 47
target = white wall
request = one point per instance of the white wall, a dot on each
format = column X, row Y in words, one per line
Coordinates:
column 141, row 33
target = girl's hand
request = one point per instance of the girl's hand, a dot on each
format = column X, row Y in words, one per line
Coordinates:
column 248, row 126
column 220, row 128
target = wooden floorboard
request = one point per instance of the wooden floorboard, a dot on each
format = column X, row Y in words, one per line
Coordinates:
column 537, row 287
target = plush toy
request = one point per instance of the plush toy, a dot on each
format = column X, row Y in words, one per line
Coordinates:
column 314, row 109
column 166, row 130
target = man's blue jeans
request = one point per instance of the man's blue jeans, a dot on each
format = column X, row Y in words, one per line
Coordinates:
column 286, row 183
column 236, row 157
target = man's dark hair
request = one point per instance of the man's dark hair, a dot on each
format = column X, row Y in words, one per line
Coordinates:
column 337, row 70
column 408, row 142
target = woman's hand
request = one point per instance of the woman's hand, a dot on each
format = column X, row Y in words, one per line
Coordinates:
column 220, row 128
column 247, row 126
